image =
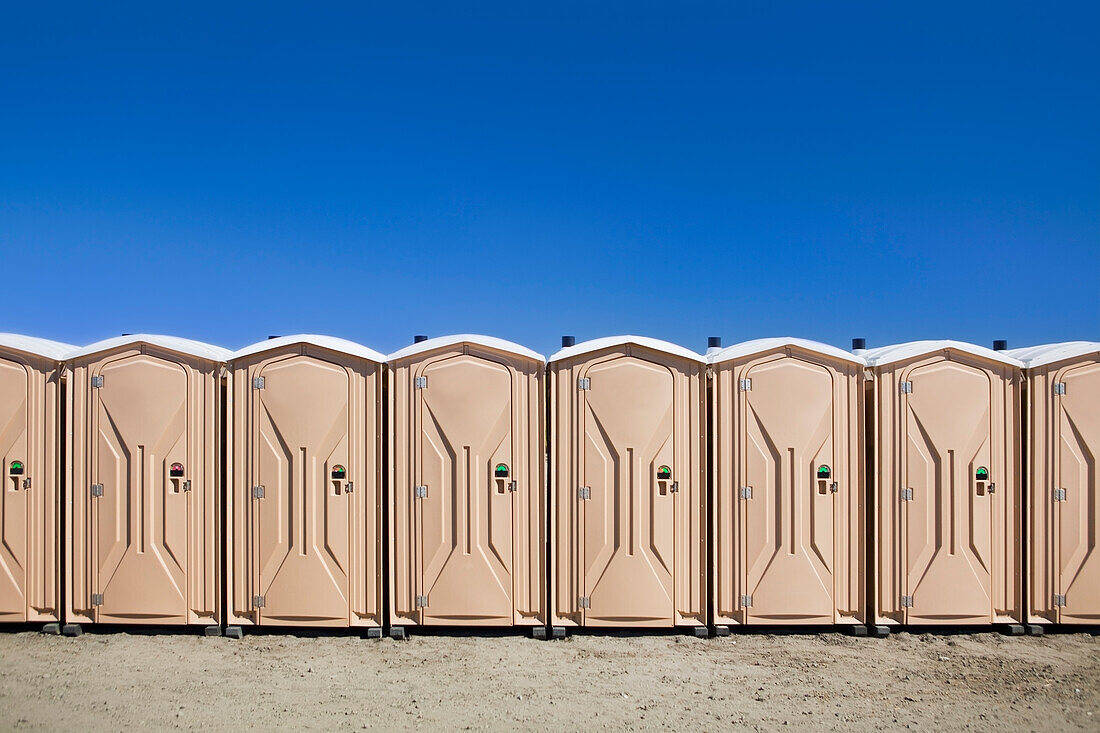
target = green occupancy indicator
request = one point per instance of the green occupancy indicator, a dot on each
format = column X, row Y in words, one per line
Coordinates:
column 501, row 471
column 824, row 472
column 16, row 468
column 982, row 474
column 664, row 473
column 339, row 472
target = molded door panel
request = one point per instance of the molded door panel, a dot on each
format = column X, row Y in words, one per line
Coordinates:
column 628, row 541
column 14, row 426
column 789, row 522
column 301, row 419
column 948, row 523
column 1078, row 516
column 466, row 422
column 141, row 520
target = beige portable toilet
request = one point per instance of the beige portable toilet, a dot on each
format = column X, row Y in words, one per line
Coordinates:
column 304, row 517
column 30, row 449
column 788, row 503
column 467, row 500
column 628, row 509
column 143, row 502
column 1063, row 439
column 948, row 502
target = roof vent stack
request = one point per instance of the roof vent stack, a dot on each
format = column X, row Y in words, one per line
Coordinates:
column 419, row 338
column 714, row 344
column 859, row 346
column 1000, row 345
column 567, row 341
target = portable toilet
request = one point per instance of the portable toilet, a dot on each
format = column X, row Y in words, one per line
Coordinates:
column 304, row 515
column 1063, row 441
column 788, row 504
column 467, row 499
column 628, row 510
column 947, row 515
column 143, row 507
column 30, row 448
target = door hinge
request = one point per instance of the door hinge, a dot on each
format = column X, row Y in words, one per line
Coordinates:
column 1059, row 494
column 1059, row 600
column 420, row 492
column 584, row 602
column 744, row 385
column 512, row 486
column 421, row 601
column 97, row 381
column 349, row 488
column 746, row 601
column 257, row 492
column 584, row 383
column 746, row 492
column 420, row 382
column 1059, row 388
column 907, row 495
column 97, row 599
column 584, row 492
column 906, row 387
column 907, row 601
column 97, row 489
column 187, row 485
column 258, row 601
column 27, row 483
column 257, row 382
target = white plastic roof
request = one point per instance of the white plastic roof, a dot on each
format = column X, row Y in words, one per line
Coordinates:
column 586, row 347
column 1037, row 356
column 473, row 338
column 39, row 347
column 327, row 342
column 758, row 346
column 900, row 352
column 172, row 343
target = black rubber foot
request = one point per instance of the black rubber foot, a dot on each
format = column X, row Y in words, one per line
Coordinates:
column 1012, row 630
column 857, row 631
column 721, row 630
column 557, row 632
column 878, row 631
column 51, row 629
column 212, row 631
column 1035, row 630
column 72, row 630
column 374, row 632
column 397, row 633
column 234, row 632
column 700, row 632
column 538, row 632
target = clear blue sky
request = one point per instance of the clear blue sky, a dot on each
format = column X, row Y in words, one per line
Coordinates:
column 893, row 171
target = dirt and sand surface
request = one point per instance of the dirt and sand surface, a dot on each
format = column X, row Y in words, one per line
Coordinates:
column 122, row 681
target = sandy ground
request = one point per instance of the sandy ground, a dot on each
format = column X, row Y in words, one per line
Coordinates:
column 119, row 681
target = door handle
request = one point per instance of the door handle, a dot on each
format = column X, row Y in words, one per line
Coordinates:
column 834, row 487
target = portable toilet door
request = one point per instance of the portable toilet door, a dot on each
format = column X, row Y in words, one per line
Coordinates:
column 628, row 515
column 143, row 505
column 30, row 436
column 467, row 497
column 304, row 514
column 947, row 458
column 1063, row 438
column 788, row 502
